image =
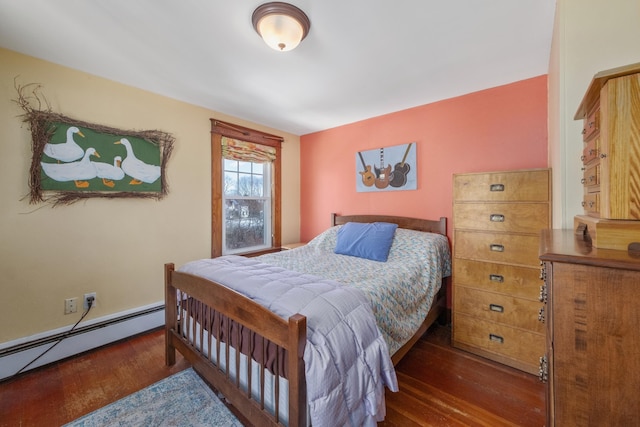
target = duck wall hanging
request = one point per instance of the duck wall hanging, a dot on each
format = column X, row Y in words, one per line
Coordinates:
column 74, row 160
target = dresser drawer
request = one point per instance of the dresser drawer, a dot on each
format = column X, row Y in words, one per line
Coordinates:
column 591, row 203
column 591, row 151
column 591, row 125
column 497, row 247
column 520, row 217
column 521, row 282
column 591, row 177
column 523, row 346
column 528, row 186
column 498, row 308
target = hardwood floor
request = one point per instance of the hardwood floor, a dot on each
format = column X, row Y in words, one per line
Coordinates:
column 439, row 386
column 56, row 394
column 444, row 386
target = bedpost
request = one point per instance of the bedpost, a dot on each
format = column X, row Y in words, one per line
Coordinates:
column 443, row 225
column 297, row 381
column 333, row 218
column 169, row 314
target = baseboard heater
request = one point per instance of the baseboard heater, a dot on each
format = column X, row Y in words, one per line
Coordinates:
column 87, row 336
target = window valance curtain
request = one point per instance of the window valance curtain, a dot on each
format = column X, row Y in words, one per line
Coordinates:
column 235, row 149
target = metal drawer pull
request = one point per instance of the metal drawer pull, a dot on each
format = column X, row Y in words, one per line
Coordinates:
column 496, row 278
column 496, row 218
column 543, row 371
column 496, row 187
column 496, row 248
column 496, row 338
column 497, row 308
column 543, row 294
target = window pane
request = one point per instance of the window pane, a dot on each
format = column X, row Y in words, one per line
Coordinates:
column 258, row 168
column 256, row 186
column 230, row 187
column 230, row 165
column 244, row 167
column 245, row 225
column 244, row 184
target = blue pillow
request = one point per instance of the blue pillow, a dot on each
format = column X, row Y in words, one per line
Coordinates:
column 366, row 240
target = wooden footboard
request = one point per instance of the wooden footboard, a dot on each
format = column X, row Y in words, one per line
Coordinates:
column 191, row 304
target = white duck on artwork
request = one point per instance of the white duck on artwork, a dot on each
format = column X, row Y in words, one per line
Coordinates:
column 79, row 171
column 109, row 173
column 136, row 168
column 66, row 151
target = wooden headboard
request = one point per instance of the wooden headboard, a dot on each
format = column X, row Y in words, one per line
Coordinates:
column 431, row 226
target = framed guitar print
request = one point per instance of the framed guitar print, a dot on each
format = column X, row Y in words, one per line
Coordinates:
column 387, row 169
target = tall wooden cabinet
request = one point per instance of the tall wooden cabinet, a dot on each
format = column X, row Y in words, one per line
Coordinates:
column 497, row 218
column 592, row 361
column 610, row 112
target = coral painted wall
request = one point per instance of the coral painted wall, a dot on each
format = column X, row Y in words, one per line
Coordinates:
column 502, row 128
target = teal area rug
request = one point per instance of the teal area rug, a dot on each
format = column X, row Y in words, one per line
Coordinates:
column 183, row 399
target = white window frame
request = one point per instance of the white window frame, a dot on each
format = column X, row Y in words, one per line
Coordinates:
column 267, row 212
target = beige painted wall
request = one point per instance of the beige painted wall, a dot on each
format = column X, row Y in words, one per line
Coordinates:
column 116, row 248
column 589, row 36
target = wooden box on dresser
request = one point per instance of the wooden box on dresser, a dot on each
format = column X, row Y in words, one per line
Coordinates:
column 610, row 111
column 592, row 366
column 497, row 218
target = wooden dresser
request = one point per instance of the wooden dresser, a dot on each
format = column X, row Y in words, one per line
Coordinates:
column 497, row 218
column 592, row 361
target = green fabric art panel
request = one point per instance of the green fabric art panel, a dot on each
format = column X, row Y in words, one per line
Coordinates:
column 77, row 158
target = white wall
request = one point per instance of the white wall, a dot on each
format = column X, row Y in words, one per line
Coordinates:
column 116, row 248
column 589, row 36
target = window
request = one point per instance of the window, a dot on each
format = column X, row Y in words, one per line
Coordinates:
column 245, row 202
column 246, row 206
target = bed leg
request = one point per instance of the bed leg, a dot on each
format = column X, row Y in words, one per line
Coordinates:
column 170, row 351
column 170, row 314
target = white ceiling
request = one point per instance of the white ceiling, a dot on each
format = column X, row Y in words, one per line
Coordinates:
column 362, row 58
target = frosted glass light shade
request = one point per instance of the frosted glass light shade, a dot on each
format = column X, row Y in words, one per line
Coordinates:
column 282, row 26
column 280, row 32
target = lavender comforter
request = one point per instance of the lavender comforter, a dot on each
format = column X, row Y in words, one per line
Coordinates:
column 347, row 361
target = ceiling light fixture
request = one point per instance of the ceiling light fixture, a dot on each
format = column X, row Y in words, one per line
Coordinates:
column 282, row 26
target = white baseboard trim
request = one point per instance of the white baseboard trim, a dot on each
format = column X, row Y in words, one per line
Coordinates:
column 87, row 335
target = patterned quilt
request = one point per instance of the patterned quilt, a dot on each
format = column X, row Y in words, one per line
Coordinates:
column 400, row 290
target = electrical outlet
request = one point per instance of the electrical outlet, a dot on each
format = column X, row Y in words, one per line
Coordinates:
column 86, row 300
column 70, row 305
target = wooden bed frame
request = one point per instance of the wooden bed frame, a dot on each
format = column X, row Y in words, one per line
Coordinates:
column 288, row 334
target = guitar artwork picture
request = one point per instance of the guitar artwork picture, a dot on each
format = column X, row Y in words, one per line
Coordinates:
column 402, row 176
